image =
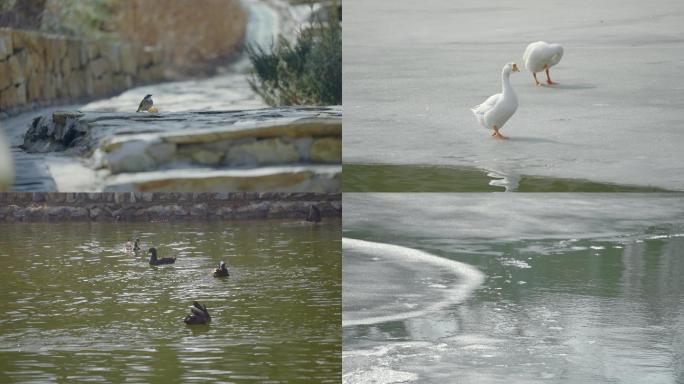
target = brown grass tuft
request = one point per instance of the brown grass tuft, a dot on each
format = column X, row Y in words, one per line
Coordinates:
column 191, row 32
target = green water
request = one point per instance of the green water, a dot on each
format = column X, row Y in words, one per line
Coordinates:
column 431, row 178
column 577, row 288
column 76, row 307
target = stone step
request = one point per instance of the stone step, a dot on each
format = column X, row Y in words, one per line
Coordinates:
column 286, row 178
column 269, row 149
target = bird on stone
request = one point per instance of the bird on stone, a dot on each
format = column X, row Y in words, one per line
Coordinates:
column 146, row 104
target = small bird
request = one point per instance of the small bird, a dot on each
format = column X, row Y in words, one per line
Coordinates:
column 497, row 109
column 199, row 314
column 221, row 271
column 136, row 245
column 146, row 104
column 155, row 261
column 314, row 215
column 540, row 56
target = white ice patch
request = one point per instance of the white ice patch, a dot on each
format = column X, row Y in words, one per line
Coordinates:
column 468, row 278
column 378, row 375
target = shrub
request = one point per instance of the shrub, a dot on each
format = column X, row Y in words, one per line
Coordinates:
column 306, row 73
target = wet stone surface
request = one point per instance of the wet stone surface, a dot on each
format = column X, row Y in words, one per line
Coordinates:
column 294, row 148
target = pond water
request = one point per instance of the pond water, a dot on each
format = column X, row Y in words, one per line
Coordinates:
column 562, row 288
column 77, row 307
column 427, row 178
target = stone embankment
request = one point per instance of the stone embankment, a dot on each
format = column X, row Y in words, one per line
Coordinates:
column 290, row 149
column 40, row 69
column 164, row 206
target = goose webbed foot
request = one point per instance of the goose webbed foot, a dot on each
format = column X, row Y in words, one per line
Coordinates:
column 548, row 78
column 497, row 134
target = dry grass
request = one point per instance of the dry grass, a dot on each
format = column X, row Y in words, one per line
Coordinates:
column 191, row 32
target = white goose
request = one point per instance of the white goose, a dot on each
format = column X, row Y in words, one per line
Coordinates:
column 497, row 109
column 541, row 56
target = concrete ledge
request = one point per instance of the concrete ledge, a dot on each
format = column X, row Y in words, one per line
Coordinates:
column 297, row 178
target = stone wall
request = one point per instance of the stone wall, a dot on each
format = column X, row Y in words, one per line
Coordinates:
column 163, row 206
column 37, row 69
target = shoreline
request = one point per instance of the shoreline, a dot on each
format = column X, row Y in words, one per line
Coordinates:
column 102, row 207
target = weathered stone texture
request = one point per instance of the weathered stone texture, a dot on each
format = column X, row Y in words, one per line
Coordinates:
column 164, row 206
column 41, row 69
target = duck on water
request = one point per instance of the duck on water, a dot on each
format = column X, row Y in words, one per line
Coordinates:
column 155, row 261
column 221, row 271
column 199, row 314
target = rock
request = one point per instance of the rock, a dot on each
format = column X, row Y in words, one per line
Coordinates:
column 99, row 67
column 206, row 157
column 6, row 47
column 162, row 153
column 6, row 100
column 253, row 211
column 112, row 54
column 29, row 41
column 93, row 50
column 131, row 157
column 326, row 150
column 303, row 145
column 225, row 213
column 78, row 213
column 199, row 210
column 150, row 147
column 262, row 152
column 95, row 213
column 73, row 54
column 20, row 93
column 36, row 213
column 16, row 71
column 5, row 76
column 61, row 117
column 58, row 213
column 35, row 89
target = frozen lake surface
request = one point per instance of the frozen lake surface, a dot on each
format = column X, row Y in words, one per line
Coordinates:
column 412, row 71
column 563, row 288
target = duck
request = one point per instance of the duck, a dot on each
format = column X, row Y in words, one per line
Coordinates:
column 314, row 215
column 221, row 271
column 199, row 314
column 128, row 247
column 497, row 109
column 155, row 261
column 540, row 56
column 136, row 245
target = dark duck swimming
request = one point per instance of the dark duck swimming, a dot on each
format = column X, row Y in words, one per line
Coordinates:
column 155, row 261
column 136, row 245
column 199, row 314
column 221, row 271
